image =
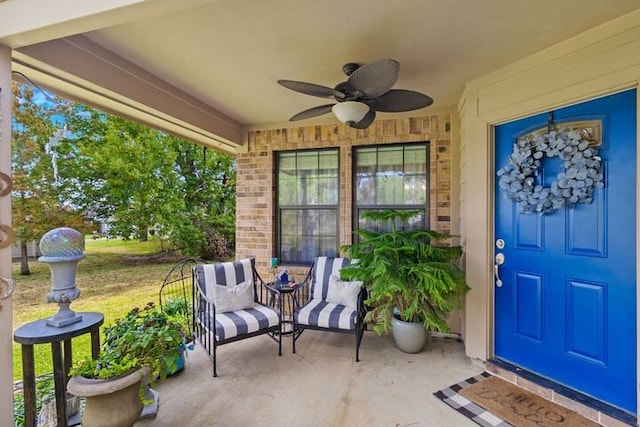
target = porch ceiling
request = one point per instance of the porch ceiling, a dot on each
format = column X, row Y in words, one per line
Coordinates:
column 207, row 70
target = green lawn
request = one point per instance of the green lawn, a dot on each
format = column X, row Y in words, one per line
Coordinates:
column 115, row 277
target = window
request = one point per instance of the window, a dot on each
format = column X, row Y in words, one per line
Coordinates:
column 391, row 177
column 307, row 205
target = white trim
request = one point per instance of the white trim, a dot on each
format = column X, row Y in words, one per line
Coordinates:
column 79, row 69
column 6, row 305
column 24, row 22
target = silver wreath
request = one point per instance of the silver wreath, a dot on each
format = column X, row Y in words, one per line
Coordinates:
column 582, row 172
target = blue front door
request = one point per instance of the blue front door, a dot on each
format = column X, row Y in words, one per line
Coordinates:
column 566, row 307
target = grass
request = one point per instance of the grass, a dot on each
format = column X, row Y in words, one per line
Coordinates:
column 115, row 277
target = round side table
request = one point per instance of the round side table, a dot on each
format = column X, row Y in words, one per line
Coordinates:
column 287, row 306
column 38, row 332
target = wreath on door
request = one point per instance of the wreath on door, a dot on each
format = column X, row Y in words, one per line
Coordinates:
column 575, row 184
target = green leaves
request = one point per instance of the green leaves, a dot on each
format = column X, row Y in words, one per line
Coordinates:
column 103, row 370
column 410, row 273
column 144, row 337
column 140, row 179
column 38, row 200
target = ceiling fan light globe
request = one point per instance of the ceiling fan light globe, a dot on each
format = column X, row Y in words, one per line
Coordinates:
column 350, row 111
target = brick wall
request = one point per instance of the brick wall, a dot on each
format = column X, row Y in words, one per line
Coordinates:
column 255, row 204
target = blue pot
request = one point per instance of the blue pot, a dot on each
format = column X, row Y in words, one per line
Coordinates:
column 179, row 366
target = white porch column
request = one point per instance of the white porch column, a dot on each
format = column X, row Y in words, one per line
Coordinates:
column 6, row 322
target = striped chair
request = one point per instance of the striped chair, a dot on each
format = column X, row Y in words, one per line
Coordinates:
column 315, row 312
column 242, row 311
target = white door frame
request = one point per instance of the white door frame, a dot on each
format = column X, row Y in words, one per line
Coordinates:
column 596, row 63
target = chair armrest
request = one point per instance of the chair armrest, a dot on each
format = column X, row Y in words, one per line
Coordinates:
column 363, row 292
column 271, row 288
column 200, row 295
column 362, row 297
column 204, row 312
column 267, row 294
column 301, row 293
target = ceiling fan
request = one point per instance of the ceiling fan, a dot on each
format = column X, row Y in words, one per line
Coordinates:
column 367, row 90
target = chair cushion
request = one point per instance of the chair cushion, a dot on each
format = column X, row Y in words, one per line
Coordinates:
column 224, row 273
column 324, row 314
column 242, row 322
column 231, row 298
column 212, row 279
column 342, row 292
column 324, row 268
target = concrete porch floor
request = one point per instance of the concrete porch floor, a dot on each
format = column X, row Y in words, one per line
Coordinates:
column 320, row 385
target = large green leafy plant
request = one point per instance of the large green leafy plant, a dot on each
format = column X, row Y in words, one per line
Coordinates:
column 408, row 273
column 144, row 337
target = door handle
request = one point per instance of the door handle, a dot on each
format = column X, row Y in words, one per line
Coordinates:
column 496, row 268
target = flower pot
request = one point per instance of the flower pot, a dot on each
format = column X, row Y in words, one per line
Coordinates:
column 409, row 337
column 179, row 366
column 110, row 403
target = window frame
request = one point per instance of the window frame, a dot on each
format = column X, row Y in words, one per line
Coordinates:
column 358, row 208
column 279, row 209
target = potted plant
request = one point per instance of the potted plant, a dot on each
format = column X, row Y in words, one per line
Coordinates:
column 178, row 311
column 137, row 349
column 410, row 275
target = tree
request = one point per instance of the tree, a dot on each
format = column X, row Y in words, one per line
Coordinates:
column 202, row 221
column 141, row 179
column 118, row 170
column 37, row 200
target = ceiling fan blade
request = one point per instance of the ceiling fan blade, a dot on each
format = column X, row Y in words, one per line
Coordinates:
column 374, row 79
column 312, row 89
column 397, row 100
column 366, row 120
column 312, row 112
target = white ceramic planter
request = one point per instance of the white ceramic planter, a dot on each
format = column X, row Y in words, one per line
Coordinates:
column 409, row 337
column 110, row 403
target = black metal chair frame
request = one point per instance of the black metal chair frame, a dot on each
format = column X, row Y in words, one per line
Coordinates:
column 302, row 297
column 204, row 308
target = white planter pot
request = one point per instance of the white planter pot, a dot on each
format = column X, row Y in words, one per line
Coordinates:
column 110, row 403
column 409, row 337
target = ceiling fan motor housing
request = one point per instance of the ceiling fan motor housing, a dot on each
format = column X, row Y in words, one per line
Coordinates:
column 350, row 94
column 349, row 68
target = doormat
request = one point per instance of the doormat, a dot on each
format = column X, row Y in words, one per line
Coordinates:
column 492, row 402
